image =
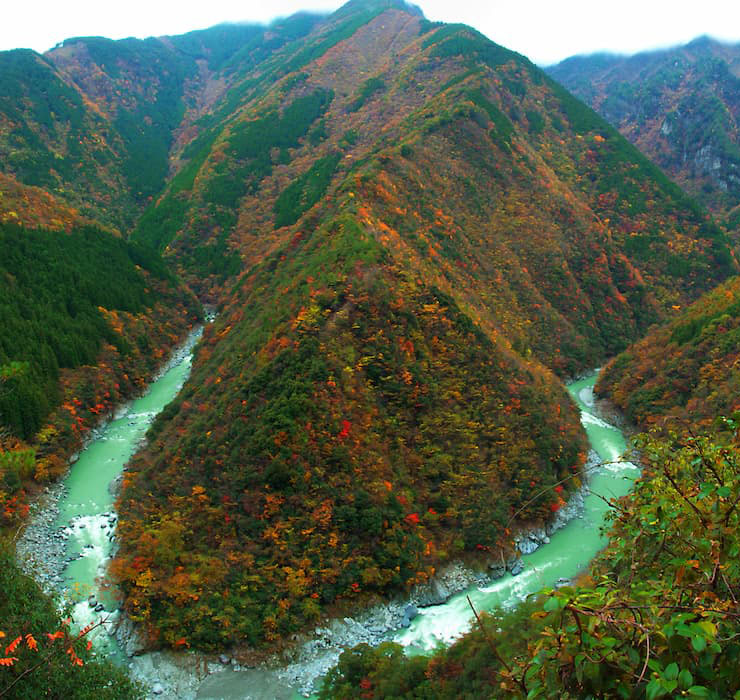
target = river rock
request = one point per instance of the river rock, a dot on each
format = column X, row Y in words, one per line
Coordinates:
column 179, row 675
column 114, row 486
column 411, row 611
column 433, row 593
column 496, row 569
column 129, row 637
column 515, row 565
column 157, row 689
column 527, row 545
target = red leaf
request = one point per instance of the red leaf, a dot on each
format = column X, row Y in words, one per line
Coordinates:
column 11, row 647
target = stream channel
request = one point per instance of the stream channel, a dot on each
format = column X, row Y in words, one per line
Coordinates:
column 87, row 519
column 566, row 555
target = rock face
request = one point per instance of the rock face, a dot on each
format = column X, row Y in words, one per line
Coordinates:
column 449, row 580
column 172, row 676
column 129, row 637
column 680, row 106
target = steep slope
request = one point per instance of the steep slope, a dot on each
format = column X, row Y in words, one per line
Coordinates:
column 99, row 123
column 74, row 344
column 502, row 143
column 35, row 207
column 47, row 132
column 341, row 448
column 684, row 374
column 404, row 224
column 681, row 107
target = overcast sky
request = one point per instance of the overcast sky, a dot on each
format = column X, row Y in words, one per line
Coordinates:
column 544, row 30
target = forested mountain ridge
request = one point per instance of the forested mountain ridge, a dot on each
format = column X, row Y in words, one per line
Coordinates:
column 408, row 228
column 679, row 106
column 410, row 232
column 120, row 108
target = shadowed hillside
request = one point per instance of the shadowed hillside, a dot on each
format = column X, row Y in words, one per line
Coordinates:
column 681, row 107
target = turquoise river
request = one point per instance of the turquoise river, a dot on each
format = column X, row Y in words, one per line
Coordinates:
column 87, row 512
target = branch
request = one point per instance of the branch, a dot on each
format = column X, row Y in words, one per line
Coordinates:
column 669, row 476
column 54, row 650
column 558, row 483
column 645, row 665
column 493, row 646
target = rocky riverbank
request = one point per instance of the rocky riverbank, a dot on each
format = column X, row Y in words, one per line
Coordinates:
column 41, row 548
column 191, row 677
column 56, row 537
column 42, row 551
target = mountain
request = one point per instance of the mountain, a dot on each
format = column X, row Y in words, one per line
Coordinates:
column 94, row 121
column 411, row 235
column 409, row 231
column 680, row 106
column 685, row 373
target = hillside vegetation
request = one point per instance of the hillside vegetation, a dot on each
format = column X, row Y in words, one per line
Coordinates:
column 679, row 106
column 99, row 123
column 74, row 345
column 408, row 229
column 685, row 373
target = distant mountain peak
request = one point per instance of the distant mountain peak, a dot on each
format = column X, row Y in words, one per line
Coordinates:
column 702, row 41
column 374, row 6
column 680, row 106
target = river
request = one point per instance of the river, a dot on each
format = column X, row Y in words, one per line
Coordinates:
column 87, row 518
column 85, row 512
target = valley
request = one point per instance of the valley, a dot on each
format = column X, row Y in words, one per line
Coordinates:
column 413, row 239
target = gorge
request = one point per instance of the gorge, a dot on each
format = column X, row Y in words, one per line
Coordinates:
column 412, row 237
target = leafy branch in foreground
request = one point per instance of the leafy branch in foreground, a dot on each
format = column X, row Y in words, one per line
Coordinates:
column 662, row 617
column 38, row 662
column 66, row 647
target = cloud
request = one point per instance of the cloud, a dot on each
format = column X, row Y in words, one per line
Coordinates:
column 544, row 30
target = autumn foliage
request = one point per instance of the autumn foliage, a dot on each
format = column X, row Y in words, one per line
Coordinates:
column 686, row 372
column 655, row 618
column 410, row 233
column 401, row 270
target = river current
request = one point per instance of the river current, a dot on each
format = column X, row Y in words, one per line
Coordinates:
column 564, row 557
column 86, row 510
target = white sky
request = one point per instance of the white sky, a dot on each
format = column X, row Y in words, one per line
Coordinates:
column 544, row 30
